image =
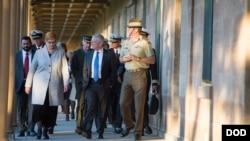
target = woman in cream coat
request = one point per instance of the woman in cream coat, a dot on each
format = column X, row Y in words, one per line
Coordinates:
column 49, row 78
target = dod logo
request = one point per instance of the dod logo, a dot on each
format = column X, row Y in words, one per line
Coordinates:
column 240, row 132
column 236, row 132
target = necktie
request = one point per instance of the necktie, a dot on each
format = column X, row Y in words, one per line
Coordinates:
column 116, row 53
column 26, row 65
column 96, row 67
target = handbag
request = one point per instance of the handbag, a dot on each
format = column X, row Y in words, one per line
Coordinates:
column 153, row 105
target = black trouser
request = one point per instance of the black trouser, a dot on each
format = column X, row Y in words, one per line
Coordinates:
column 95, row 93
column 111, row 106
column 118, row 117
column 146, row 106
column 22, row 106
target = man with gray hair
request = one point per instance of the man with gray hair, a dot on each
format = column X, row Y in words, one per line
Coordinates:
column 99, row 74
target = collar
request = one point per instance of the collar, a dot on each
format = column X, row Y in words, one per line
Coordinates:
column 100, row 51
column 24, row 52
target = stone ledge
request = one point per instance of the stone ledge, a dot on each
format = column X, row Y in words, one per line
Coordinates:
column 205, row 91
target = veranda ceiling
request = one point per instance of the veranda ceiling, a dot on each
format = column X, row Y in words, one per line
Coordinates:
column 69, row 19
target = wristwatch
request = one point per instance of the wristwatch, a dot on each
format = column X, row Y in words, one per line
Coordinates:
column 138, row 59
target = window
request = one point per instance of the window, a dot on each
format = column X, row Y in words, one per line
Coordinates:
column 207, row 42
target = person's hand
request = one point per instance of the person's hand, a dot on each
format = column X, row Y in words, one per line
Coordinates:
column 126, row 58
column 155, row 89
column 66, row 87
column 27, row 90
column 133, row 57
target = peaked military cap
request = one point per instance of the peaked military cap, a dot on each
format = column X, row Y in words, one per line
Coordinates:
column 86, row 38
column 105, row 40
column 36, row 34
column 115, row 37
column 135, row 23
column 144, row 31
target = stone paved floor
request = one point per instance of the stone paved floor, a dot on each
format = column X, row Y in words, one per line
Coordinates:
column 64, row 131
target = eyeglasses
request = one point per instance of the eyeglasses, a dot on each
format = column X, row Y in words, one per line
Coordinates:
column 51, row 42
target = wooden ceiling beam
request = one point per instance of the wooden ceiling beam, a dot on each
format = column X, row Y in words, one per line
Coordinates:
column 38, row 2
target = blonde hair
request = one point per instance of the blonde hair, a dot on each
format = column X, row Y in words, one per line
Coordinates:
column 50, row 36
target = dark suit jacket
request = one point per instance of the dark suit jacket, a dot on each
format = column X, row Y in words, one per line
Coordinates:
column 77, row 64
column 108, row 70
column 33, row 47
column 19, row 70
column 153, row 69
column 120, row 66
column 77, row 69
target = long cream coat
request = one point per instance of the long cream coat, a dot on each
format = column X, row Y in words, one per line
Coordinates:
column 48, row 72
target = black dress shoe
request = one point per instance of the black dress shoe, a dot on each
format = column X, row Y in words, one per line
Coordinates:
column 38, row 137
column 38, row 134
column 67, row 118
column 21, row 134
column 137, row 137
column 148, row 130
column 78, row 131
column 31, row 133
column 51, row 130
column 126, row 131
column 118, row 130
column 86, row 135
column 45, row 136
column 100, row 136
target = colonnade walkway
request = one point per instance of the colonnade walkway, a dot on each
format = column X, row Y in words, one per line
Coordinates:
column 65, row 131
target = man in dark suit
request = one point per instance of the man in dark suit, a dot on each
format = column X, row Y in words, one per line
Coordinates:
column 99, row 74
column 152, row 75
column 77, row 70
column 22, row 63
column 114, row 98
column 37, row 37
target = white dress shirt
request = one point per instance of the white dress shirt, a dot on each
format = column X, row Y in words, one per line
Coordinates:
column 100, row 63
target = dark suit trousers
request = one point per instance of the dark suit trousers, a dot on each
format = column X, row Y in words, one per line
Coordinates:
column 118, row 118
column 22, row 106
column 96, row 93
column 146, row 107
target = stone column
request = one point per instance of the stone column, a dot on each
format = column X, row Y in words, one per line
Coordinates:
column 4, row 58
column 11, row 110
